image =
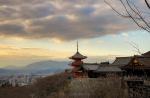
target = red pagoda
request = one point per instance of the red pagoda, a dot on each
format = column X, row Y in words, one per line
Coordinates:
column 77, row 64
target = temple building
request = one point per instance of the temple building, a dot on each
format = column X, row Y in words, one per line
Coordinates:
column 137, row 65
column 103, row 69
column 91, row 70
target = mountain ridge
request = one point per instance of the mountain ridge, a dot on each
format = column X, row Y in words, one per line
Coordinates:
column 40, row 67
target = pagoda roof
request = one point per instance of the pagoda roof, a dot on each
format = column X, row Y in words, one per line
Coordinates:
column 77, row 55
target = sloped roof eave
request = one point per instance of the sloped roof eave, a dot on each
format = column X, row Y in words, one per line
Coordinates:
column 77, row 55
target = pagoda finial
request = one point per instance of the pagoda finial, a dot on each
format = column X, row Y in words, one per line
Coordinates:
column 77, row 46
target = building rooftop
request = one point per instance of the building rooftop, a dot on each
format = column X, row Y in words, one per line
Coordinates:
column 77, row 55
column 143, row 59
column 121, row 61
column 90, row 67
column 101, row 68
column 147, row 54
column 108, row 69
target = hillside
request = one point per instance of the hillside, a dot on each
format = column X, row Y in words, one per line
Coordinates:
column 41, row 89
column 59, row 86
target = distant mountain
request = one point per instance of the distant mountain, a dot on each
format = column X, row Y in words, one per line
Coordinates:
column 4, row 71
column 42, row 67
column 7, row 71
column 45, row 67
column 47, row 64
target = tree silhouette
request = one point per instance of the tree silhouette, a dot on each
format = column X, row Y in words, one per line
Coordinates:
column 137, row 10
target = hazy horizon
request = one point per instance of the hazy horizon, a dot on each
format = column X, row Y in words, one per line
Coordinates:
column 37, row 30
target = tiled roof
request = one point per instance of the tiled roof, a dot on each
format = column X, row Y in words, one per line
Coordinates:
column 77, row 55
column 121, row 61
column 102, row 68
column 147, row 54
column 90, row 67
column 109, row 69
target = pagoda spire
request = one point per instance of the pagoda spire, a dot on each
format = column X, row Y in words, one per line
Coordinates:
column 77, row 46
column 77, row 55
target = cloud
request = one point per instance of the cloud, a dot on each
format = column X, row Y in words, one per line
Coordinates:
column 36, row 11
column 19, row 56
column 9, row 51
column 19, row 2
column 11, row 29
column 59, row 19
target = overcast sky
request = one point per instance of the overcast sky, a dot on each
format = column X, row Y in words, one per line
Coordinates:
column 34, row 30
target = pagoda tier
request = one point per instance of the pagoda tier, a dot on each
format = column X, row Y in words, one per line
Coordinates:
column 77, row 63
column 77, row 56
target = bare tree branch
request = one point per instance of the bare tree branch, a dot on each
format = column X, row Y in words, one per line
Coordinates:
column 125, row 16
column 136, row 47
column 147, row 4
column 133, row 12
column 137, row 12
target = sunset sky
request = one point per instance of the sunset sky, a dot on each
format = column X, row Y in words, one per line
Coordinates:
column 36, row 30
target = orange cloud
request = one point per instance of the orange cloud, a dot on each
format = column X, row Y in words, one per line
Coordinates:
column 30, row 52
column 12, row 55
